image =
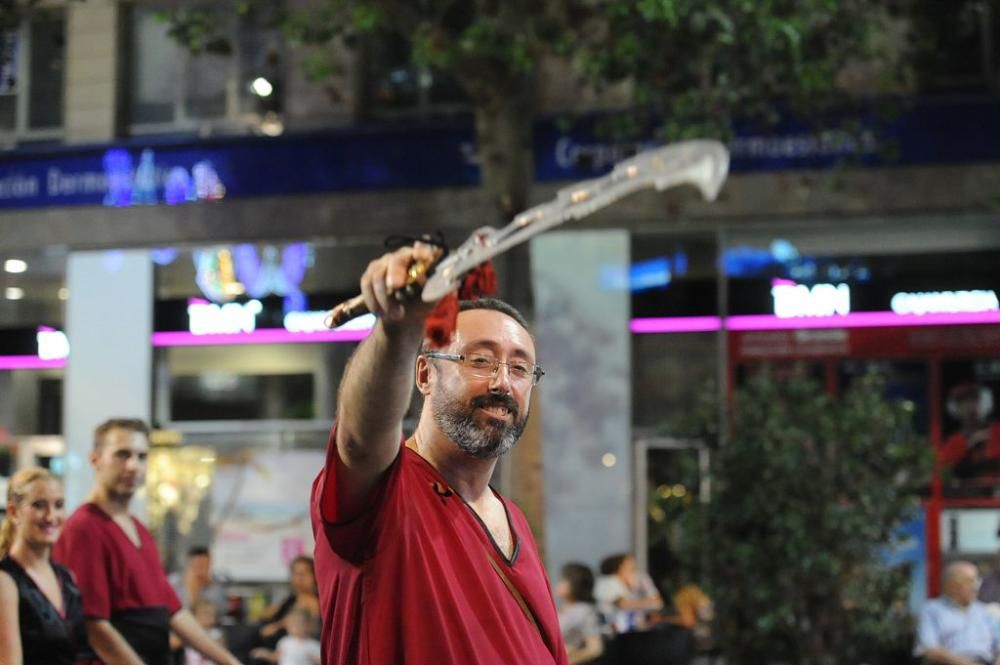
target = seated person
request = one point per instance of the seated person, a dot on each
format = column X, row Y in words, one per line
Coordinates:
column 197, row 582
column 578, row 619
column 625, row 595
column 695, row 611
column 956, row 629
column 302, row 596
column 298, row 646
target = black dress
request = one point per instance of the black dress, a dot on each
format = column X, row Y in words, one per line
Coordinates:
column 47, row 637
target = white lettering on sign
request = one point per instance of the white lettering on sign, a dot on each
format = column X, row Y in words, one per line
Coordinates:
column 792, row 299
column 943, row 302
column 314, row 321
column 205, row 318
column 69, row 184
column 52, row 344
column 309, row 321
column 18, row 186
column 595, row 156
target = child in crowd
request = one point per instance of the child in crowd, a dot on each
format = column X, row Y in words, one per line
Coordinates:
column 203, row 610
column 578, row 618
column 298, row 647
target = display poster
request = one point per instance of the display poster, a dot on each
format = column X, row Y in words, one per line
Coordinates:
column 261, row 514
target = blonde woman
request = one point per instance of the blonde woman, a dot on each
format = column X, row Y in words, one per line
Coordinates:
column 41, row 616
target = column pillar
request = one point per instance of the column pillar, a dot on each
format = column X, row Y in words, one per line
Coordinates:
column 93, row 62
column 583, row 342
column 109, row 322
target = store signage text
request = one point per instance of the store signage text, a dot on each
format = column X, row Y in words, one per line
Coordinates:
column 791, row 299
column 205, row 318
column 941, row 302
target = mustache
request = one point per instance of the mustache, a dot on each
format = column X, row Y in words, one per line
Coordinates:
column 505, row 401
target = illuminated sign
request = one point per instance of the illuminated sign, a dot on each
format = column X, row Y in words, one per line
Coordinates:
column 314, row 321
column 124, row 185
column 205, row 318
column 225, row 273
column 940, row 302
column 650, row 274
column 792, row 300
column 52, row 344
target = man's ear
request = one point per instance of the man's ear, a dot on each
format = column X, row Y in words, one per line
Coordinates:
column 423, row 375
column 94, row 454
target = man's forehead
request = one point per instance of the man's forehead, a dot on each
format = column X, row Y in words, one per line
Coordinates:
column 120, row 437
column 487, row 325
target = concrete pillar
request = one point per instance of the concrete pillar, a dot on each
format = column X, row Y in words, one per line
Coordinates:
column 109, row 322
column 583, row 343
column 92, row 70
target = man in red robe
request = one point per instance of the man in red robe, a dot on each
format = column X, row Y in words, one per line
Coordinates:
column 418, row 559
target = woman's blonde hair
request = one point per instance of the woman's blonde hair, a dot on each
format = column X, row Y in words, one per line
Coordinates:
column 17, row 489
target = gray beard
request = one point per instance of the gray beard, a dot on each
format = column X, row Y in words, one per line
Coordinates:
column 458, row 422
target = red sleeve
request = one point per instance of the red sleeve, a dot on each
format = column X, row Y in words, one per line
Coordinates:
column 347, row 536
column 82, row 549
column 324, row 489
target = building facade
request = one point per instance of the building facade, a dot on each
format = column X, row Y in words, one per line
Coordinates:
column 180, row 216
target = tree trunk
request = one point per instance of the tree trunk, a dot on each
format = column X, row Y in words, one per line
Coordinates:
column 505, row 142
column 504, row 134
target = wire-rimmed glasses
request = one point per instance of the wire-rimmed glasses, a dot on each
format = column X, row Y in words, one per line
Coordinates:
column 485, row 366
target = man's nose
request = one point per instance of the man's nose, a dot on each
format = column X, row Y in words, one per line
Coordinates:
column 500, row 381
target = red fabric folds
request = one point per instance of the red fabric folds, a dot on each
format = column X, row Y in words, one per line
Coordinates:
column 440, row 324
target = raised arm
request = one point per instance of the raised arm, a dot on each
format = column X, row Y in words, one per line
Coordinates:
column 378, row 382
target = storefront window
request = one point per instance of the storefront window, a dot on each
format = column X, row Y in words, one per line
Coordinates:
column 175, row 88
column 32, row 73
column 673, row 281
column 239, row 333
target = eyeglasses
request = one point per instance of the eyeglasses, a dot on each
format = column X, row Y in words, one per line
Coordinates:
column 485, row 366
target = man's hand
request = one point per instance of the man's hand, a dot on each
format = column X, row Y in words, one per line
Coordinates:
column 389, row 274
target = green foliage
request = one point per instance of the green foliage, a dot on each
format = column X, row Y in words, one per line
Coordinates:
column 198, row 29
column 698, row 64
column 805, row 494
column 690, row 66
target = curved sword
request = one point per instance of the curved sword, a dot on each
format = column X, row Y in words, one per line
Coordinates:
column 702, row 163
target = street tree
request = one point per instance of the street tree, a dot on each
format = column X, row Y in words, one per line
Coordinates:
column 688, row 66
